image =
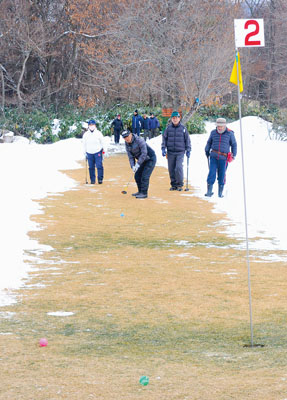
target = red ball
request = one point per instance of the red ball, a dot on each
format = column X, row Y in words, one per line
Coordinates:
column 43, row 342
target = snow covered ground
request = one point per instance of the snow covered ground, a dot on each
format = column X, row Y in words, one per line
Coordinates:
column 30, row 172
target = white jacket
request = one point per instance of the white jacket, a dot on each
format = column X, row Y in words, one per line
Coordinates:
column 93, row 142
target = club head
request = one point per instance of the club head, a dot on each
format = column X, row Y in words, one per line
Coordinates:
column 124, row 192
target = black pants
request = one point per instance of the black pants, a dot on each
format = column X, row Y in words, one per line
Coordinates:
column 153, row 133
column 146, row 134
column 143, row 174
column 117, row 136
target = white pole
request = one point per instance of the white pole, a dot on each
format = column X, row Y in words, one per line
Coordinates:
column 244, row 196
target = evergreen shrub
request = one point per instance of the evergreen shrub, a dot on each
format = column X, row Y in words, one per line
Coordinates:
column 38, row 125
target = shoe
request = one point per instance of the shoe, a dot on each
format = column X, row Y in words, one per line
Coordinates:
column 135, row 194
column 100, row 182
column 179, row 188
column 173, row 188
column 141, row 196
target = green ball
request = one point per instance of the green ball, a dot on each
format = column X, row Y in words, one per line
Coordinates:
column 144, row 380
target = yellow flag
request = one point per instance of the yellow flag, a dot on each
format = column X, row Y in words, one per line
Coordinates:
column 233, row 77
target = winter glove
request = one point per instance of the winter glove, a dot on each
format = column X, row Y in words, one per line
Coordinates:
column 229, row 157
column 136, row 167
column 207, row 154
column 187, row 153
column 163, row 152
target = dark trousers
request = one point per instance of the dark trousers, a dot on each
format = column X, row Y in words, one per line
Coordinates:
column 117, row 136
column 146, row 134
column 142, row 176
column 96, row 160
column 136, row 131
column 219, row 167
column 175, row 168
column 154, row 132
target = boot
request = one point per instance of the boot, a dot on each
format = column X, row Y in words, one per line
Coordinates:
column 209, row 191
column 220, row 190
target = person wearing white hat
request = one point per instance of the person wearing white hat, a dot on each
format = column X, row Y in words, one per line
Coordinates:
column 218, row 147
column 94, row 151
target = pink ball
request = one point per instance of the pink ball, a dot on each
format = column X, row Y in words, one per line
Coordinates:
column 43, row 342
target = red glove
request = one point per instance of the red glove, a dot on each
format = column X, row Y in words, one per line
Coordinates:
column 229, row 157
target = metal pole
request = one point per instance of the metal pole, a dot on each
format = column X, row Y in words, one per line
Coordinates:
column 187, row 167
column 86, row 167
column 244, row 196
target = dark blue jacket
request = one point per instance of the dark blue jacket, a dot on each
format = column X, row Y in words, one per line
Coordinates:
column 137, row 123
column 139, row 150
column 176, row 139
column 221, row 142
column 145, row 123
column 153, row 123
column 117, row 124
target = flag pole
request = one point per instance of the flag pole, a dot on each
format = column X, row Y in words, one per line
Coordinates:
column 244, row 196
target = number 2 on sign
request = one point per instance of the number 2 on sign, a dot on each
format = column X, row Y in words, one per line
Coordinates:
column 249, row 42
column 249, row 32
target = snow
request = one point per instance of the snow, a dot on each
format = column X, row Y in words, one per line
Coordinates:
column 60, row 313
column 30, row 172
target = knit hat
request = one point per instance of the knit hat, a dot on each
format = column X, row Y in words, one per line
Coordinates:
column 175, row 114
column 119, row 115
column 126, row 133
column 136, row 111
column 221, row 122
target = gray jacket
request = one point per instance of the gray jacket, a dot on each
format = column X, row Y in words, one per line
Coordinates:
column 176, row 139
column 137, row 149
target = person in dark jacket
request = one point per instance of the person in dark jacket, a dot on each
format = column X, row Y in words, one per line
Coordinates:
column 118, row 126
column 145, row 126
column 137, row 123
column 142, row 160
column 153, row 126
column 175, row 142
column 218, row 145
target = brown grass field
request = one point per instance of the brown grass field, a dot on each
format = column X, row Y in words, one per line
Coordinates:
column 143, row 302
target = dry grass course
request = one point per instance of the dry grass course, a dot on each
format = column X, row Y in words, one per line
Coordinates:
column 154, row 288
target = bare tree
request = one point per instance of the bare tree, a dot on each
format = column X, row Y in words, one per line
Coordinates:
column 266, row 67
column 169, row 52
column 174, row 51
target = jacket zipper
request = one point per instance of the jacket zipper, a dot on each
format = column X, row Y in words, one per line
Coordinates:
column 219, row 147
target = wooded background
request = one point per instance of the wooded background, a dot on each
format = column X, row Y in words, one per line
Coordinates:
column 168, row 52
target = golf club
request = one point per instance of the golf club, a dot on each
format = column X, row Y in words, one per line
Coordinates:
column 86, row 171
column 187, row 168
column 125, row 190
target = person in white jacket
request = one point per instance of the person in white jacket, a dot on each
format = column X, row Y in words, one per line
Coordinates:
column 94, row 150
